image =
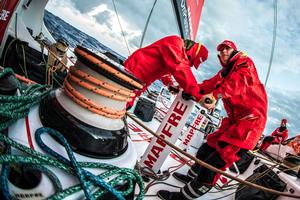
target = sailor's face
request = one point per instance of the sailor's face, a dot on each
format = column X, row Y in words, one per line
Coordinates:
column 225, row 52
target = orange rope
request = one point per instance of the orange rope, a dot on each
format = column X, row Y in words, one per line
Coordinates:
column 24, row 79
column 97, row 90
column 108, row 68
column 90, row 105
column 97, row 86
column 100, row 83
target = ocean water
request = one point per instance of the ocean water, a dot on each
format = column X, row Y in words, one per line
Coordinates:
column 63, row 30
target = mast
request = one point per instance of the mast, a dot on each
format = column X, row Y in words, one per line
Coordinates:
column 188, row 14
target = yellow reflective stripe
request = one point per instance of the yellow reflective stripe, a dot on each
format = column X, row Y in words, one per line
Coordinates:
column 199, row 46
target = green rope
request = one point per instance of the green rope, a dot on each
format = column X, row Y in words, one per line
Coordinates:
column 36, row 158
column 82, row 174
column 15, row 107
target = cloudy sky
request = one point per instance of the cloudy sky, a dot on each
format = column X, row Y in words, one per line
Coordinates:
column 248, row 23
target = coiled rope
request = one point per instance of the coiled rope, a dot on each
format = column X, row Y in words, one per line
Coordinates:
column 99, row 87
column 96, row 89
column 15, row 107
column 86, row 178
column 102, row 65
column 100, row 83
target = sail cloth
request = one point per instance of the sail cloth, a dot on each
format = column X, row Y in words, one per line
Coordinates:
column 188, row 14
column 6, row 10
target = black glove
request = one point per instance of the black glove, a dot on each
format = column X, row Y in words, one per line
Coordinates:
column 173, row 89
column 187, row 96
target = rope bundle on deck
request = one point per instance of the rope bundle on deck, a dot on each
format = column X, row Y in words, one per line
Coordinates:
column 15, row 107
column 86, row 179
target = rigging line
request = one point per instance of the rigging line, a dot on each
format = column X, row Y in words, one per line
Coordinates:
column 273, row 42
column 147, row 22
column 123, row 33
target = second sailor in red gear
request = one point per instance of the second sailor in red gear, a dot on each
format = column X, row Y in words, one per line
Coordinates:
column 168, row 56
column 278, row 136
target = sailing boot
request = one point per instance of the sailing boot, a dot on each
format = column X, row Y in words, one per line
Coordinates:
column 166, row 195
column 181, row 177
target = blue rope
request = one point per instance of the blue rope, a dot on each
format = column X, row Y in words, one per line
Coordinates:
column 83, row 175
column 5, row 172
column 4, row 177
column 36, row 158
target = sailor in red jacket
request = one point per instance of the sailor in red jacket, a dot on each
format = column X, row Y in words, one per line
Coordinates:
column 168, row 56
column 278, row 136
column 245, row 102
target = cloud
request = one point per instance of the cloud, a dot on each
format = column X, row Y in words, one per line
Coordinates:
column 250, row 25
column 85, row 7
column 105, row 17
column 283, row 104
column 132, row 16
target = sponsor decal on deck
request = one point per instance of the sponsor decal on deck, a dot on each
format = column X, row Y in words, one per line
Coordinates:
column 169, row 129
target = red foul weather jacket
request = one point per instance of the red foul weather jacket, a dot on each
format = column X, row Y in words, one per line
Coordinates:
column 245, row 102
column 279, row 136
column 166, row 56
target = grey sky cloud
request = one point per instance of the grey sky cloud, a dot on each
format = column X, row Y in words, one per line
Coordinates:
column 85, row 6
column 284, row 105
column 104, row 18
column 161, row 22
